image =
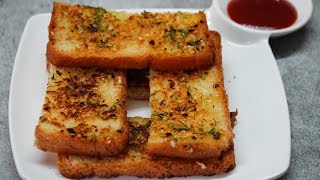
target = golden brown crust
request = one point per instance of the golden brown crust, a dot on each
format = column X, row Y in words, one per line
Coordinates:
column 76, row 115
column 84, row 59
column 169, row 47
column 64, row 143
column 163, row 63
column 136, row 162
column 190, row 115
column 176, row 63
column 147, row 167
column 199, row 151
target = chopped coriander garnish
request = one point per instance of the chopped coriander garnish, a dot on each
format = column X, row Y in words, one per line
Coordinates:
column 181, row 127
column 184, row 32
column 215, row 133
column 171, row 33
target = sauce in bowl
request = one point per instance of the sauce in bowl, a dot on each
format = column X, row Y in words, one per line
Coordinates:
column 262, row 14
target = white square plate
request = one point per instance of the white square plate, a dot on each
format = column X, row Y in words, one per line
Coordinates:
column 253, row 83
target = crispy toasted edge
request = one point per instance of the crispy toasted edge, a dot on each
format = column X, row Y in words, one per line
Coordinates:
column 176, row 63
column 148, row 168
column 165, row 62
column 73, row 59
column 201, row 150
column 198, row 151
column 63, row 143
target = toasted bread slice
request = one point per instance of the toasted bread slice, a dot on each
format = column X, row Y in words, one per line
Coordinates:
column 84, row 112
column 190, row 115
column 138, row 84
column 136, row 162
column 86, row 36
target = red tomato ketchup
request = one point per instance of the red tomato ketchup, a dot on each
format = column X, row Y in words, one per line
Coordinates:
column 263, row 14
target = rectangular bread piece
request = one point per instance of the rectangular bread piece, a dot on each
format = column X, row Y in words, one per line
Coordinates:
column 84, row 112
column 190, row 115
column 86, row 36
column 135, row 161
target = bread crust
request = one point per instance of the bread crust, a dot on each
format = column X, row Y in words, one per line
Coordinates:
column 64, row 143
column 155, row 167
column 136, row 162
column 87, row 59
column 171, row 146
column 60, row 140
column 161, row 62
column 199, row 151
column 152, row 57
column 171, row 63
